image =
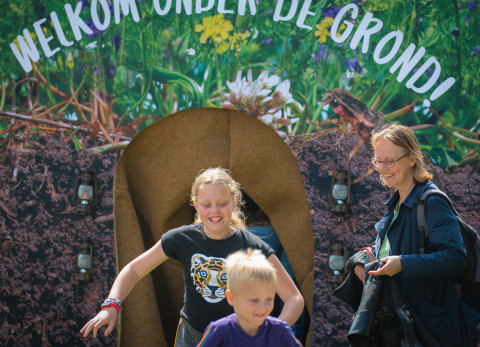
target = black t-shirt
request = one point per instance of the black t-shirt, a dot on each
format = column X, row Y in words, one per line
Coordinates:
column 204, row 274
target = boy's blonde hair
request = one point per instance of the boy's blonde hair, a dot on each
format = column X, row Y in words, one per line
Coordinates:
column 402, row 136
column 248, row 265
column 221, row 176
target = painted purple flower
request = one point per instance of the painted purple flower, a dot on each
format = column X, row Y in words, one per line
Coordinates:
column 456, row 31
column 116, row 40
column 420, row 20
column 96, row 69
column 266, row 42
column 111, row 70
column 353, row 64
column 270, row 12
column 330, row 11
column 429, row 72
column 471, row 5
column 92, row 26
column 475, row 51
column 321, row 53
column 85, row 3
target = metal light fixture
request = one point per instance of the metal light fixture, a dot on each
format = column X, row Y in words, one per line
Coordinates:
column 84, row 262
column 340, row 194
column 337, row 257
column 85, row 197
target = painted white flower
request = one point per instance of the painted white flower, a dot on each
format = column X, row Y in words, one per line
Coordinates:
column 265, row 98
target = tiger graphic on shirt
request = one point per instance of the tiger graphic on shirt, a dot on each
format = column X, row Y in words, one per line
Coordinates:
column 209, row 277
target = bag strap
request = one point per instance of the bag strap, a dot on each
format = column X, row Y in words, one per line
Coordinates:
column 423, row 230
column 421, row 215
column 409, row 319
column 403, row 313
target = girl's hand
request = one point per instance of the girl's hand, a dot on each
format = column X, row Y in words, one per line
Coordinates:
column 360, row 272
column 392, row 266
column 106, row 316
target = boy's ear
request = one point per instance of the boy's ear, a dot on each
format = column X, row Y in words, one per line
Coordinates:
column 229, row 296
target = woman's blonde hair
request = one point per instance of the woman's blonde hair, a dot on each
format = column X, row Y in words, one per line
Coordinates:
column 221, row 176
column 404, row 137
column 248, row 265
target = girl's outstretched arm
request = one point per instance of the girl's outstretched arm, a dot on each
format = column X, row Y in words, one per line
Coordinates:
column 124, row 283
column 288, row 292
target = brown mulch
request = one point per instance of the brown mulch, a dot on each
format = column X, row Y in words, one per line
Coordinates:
column 41, row 303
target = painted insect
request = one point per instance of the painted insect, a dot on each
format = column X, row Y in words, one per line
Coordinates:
column 354, row 112
column 357, row 114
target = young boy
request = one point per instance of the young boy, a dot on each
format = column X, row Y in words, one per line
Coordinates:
column 251, row 283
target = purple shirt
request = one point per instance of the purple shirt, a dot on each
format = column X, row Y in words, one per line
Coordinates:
column 226, row 332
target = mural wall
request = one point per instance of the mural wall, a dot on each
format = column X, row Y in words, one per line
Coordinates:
column 81, row 78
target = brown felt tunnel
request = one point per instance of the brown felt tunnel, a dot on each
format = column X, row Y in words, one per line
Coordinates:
column 151, row 195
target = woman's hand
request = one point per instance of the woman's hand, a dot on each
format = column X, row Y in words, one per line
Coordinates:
column 360, row 272
column 392, row 266
column 105, row 316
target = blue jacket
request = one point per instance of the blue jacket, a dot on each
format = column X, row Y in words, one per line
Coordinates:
column 421, row 273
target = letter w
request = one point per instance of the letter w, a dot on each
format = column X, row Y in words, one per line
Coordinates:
column 28, row 51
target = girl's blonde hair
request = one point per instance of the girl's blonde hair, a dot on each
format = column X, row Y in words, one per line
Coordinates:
column 248, row 265
column 404, row 137
column 221, row 176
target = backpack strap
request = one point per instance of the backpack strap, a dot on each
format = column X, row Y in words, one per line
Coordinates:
column 423, row 230
column 421, row 216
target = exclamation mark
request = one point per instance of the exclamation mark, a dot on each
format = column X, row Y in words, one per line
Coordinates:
column 441, row 89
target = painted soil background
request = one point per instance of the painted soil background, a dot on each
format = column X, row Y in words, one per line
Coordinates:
column 41, row 303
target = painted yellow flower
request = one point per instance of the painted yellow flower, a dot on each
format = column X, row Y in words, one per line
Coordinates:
column 238, row 40
column 214, row 28
column 32, row 35
column 234, row 42
column 60, row 61
column 324, row 29
column 70, row 61
column 222, row 47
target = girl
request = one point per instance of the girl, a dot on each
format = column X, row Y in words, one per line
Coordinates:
column 201, row 248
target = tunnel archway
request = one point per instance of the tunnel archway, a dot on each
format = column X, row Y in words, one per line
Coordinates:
column 151, row 195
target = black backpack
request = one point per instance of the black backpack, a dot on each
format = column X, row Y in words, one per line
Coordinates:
column 469, row 280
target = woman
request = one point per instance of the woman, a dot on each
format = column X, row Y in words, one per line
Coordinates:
column 423, row 278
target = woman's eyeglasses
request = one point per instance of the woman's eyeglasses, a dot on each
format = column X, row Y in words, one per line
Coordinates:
column 387, row 162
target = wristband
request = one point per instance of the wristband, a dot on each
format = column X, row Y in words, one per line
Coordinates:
column 112, row 302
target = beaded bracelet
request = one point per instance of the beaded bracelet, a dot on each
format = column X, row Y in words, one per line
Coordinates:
column 112, row 302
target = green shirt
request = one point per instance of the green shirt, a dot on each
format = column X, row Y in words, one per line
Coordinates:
column 385, row 247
